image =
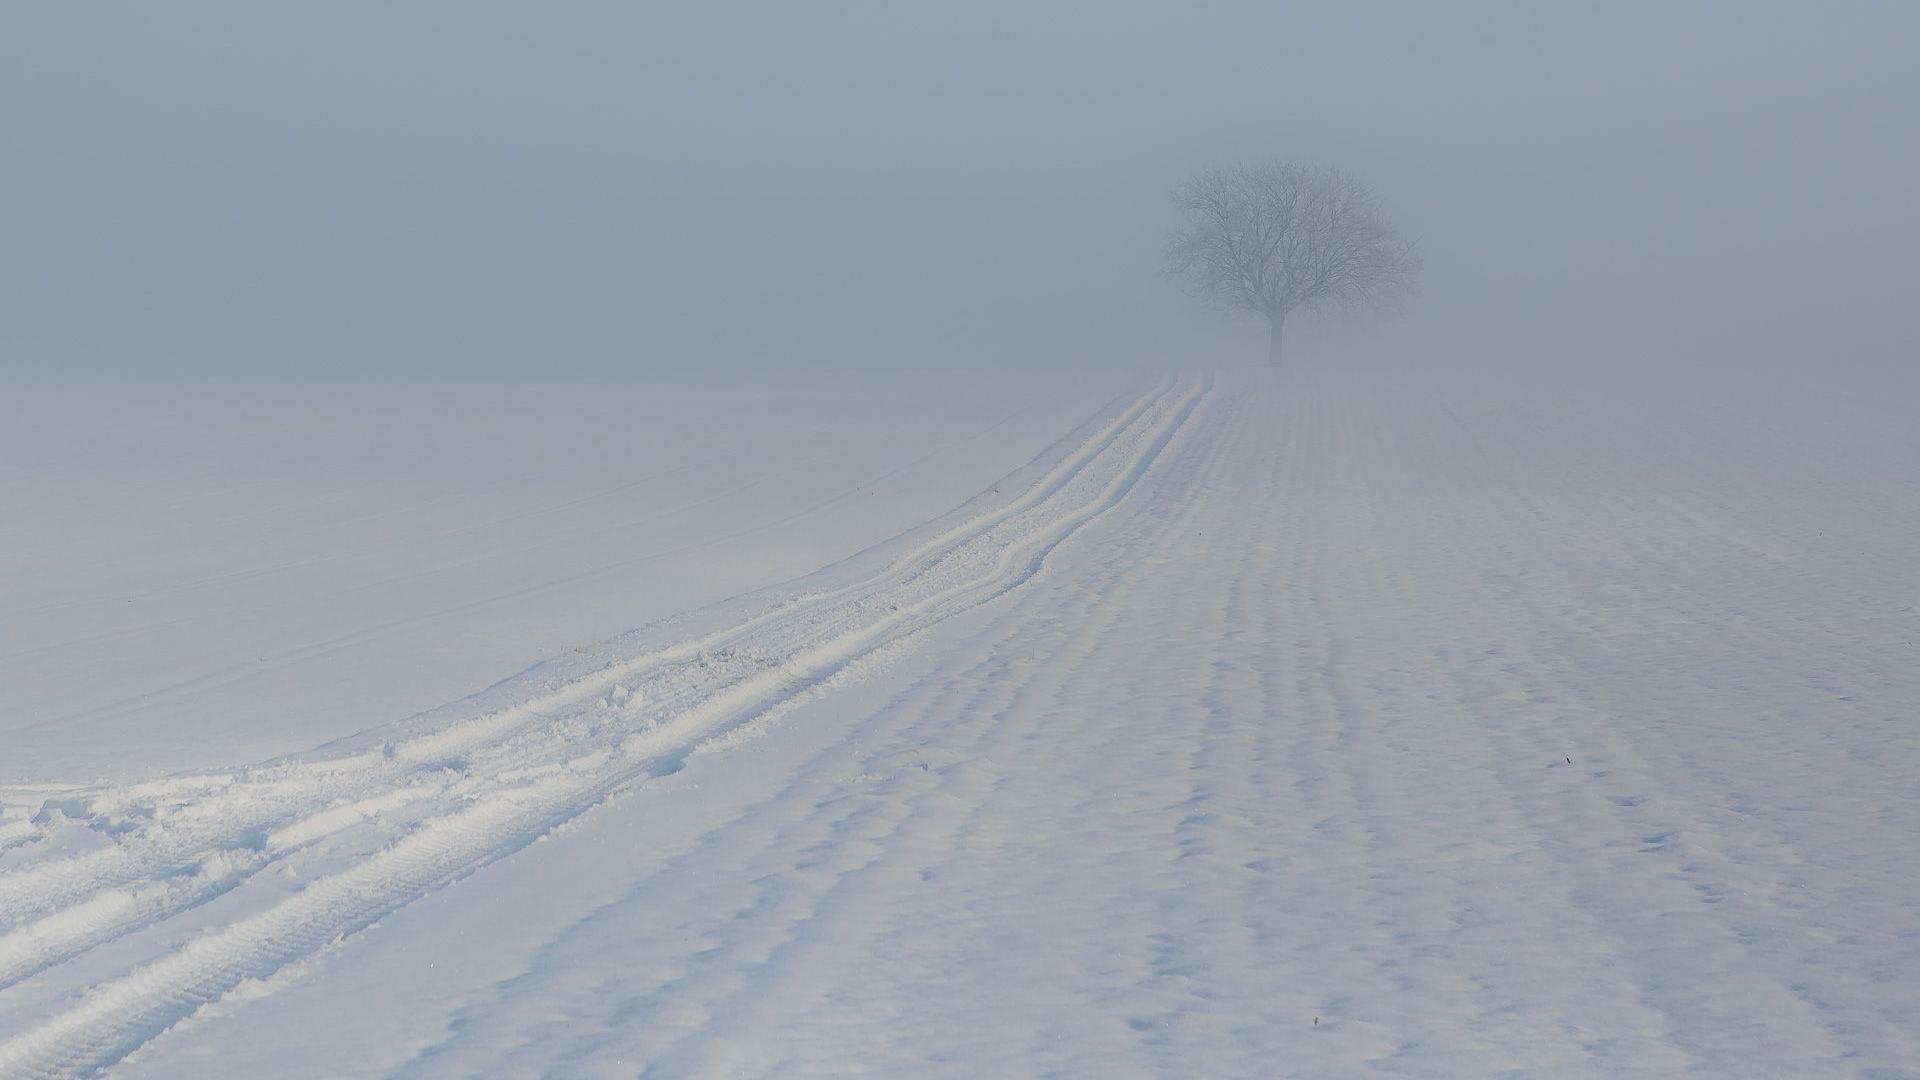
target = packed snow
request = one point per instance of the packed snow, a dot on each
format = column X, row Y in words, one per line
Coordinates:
column 1311, row 723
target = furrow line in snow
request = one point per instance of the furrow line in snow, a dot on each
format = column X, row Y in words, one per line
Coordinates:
column 945, row 576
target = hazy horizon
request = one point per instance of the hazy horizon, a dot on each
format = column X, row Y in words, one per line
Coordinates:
column 488, row 191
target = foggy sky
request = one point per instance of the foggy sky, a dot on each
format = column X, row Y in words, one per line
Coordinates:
column 356, row 188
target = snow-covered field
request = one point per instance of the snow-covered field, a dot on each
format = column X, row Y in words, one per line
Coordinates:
column 205, row 577
column 1244, row 724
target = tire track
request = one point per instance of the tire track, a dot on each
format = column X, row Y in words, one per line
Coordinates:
column 568, row 763
column 177, row 822
column 191, row 817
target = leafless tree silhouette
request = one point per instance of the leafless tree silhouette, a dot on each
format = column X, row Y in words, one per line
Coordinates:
column 1275, row 238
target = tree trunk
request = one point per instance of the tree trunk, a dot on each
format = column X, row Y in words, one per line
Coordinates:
column 1279, row 321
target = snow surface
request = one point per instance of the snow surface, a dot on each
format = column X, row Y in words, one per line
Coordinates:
column 192, row 578
column 1302, row 724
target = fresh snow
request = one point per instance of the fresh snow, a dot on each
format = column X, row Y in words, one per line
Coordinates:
column 1303, row 724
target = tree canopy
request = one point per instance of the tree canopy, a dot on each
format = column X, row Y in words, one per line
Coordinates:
column 1275, row 238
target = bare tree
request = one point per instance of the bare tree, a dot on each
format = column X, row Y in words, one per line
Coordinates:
column 1274, row 239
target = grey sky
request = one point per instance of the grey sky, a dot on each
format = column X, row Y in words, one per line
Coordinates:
column 483, row 187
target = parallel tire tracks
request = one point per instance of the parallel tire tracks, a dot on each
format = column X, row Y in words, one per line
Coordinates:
column 495, row 783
